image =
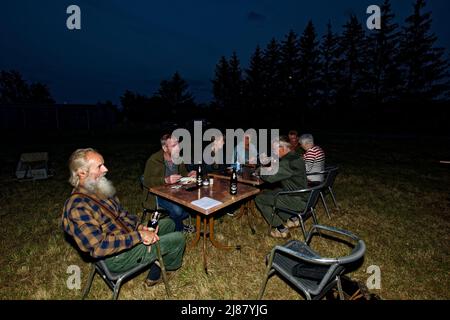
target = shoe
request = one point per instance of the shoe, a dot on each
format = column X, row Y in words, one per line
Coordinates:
column 189, row 229
column 151, row 283
column 292, row 223
column 275, row 233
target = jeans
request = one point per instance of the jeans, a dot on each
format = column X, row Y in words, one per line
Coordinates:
column 176, row 212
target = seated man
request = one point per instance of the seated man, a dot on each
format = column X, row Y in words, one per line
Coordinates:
column 314, row 159
column 95, row 219
column 246, row 152
column 217, row 152
column 160, row 169
column 295, row 144
column 291, row 175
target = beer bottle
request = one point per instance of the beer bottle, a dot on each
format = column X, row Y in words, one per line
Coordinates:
column 153, row 223
column 199, row 175
column 233, row 182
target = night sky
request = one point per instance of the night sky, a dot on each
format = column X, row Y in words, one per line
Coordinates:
column 136, row 44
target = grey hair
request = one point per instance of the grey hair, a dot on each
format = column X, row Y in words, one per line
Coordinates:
column 164, row 138
column 77, row 162
column 283, row 141
column 306, row 138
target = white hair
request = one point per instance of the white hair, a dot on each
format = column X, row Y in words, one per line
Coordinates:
column 77, row 162
column 306, row 138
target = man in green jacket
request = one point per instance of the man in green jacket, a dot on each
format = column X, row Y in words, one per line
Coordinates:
column 291, row 176
column 160, row 169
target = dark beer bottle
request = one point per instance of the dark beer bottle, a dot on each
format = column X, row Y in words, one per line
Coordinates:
column 153, row 223
column 233, row 182
column 199, row 175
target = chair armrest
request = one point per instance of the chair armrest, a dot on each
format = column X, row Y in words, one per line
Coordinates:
column 333, row 230
column 317, row 172
column 303, row 257
column 294, row 193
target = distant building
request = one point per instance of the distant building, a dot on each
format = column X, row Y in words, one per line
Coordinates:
column 57, row 116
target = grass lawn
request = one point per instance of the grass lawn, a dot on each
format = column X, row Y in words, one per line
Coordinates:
column 393, row 193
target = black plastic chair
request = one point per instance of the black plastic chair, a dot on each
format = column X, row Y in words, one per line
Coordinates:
column 308, row 271
column 327, row 186
column 115, row 280
column 303, row 215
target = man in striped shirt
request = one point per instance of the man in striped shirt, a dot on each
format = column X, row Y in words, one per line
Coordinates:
column 314, row 159
column 100, row 226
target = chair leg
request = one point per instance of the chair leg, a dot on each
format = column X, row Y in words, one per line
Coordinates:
column 325, row 204
column 334, row 199
column 163, row 269
column 267, row 275
column 302, row 224
column 271, row 221
column 116, row 289
column 339, row 286
column 89, row 283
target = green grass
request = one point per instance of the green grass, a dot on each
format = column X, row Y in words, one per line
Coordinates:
column 393, row 193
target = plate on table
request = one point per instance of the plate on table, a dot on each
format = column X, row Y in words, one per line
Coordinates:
column 187, row 180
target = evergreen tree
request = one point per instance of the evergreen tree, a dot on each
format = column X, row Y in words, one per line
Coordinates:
column 289, row 70
column 309, row 66
column 254, row 82
column 271, row 70
column 329, row 74
column 174, row 92
column 353, row 61
column 236, row 82
column 385, row 77
column 221, row 83
column 425, row 69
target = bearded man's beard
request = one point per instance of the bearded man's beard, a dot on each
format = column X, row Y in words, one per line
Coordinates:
column 102, row 187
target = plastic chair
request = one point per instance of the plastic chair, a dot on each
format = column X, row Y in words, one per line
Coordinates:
column 308, row 271
column 327, row 186
column 115, row 280
column 307, row 212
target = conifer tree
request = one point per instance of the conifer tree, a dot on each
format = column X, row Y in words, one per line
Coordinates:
column 384, row 78
column 425, row 69
column 329, row 74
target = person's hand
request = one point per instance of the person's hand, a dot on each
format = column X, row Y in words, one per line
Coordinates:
column 172, row 179
column 192, row 173
column 149, row 236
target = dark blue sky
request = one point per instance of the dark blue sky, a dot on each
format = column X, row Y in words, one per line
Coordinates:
column 136, row 44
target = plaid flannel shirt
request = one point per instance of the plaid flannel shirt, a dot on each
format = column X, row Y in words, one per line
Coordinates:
column 95, row 232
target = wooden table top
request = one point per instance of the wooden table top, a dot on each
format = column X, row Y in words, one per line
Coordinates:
column 245, row 176
column 219, row 191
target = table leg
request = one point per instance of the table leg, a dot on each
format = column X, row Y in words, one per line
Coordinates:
column 250, row 215
column 246, row 210
column 205, row 262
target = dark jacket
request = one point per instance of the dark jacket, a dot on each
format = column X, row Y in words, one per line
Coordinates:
column 154, row 175
column 291, row 176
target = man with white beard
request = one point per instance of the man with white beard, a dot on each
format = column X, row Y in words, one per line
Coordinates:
column 100, row 226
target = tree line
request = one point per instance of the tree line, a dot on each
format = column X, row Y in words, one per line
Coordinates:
column 351, row 75
column 352, row 78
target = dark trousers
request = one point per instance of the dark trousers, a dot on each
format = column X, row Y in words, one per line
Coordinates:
column 172, row 246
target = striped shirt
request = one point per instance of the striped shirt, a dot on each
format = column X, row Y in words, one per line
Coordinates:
column 93, row 230
column 314, row 162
